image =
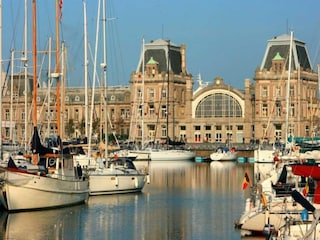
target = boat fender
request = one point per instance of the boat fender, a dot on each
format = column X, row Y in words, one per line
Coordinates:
column 51, row 162
column 264, row 200
column 148, row 179
column 136, row 182
column 117, row 181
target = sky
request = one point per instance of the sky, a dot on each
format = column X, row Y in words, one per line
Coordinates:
column 224, row 38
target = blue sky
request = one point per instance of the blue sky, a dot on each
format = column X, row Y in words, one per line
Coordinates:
column 224, row 38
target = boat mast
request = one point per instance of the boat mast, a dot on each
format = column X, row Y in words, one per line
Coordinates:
column 85, row 65
column 11, row 95
column 142, row 96
column 168, row 102
column 288, row 88
column 94, row 79
column 104, row 66
column 25, row 60
column 57, row 71
column 34, row 57
column 1, row 78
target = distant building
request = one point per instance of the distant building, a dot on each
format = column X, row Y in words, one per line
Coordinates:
column 161, row 103
column 274, row 99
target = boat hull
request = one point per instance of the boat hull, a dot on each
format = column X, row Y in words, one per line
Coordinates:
column 172, row 155
column 25, row 191
column 104, row 182
column 228, row 156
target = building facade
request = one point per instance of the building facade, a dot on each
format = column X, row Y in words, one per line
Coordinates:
column 161, row 102
column 286, row 102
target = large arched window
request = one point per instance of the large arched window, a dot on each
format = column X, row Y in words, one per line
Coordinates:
column 218, row 105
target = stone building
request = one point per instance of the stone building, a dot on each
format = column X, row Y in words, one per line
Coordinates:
column 285, row 104
column 161, row 94
column 161, row 102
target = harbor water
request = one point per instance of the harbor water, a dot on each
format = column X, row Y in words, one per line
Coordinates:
column 184, row 200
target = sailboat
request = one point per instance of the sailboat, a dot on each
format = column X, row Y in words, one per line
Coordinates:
column 118, row 175
column 170, row 153
column 54, row 181
column 274, row 203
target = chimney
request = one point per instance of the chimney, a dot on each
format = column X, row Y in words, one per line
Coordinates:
column 183, row 58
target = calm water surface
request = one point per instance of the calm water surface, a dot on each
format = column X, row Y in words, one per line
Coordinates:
column 185, row 200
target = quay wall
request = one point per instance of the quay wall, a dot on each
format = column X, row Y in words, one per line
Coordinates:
column 205, row 149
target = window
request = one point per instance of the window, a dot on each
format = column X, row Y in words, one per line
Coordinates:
column 139, row 93
column 164, row 93
column 208, row 137
column 197, row 137
column 291, row 91
column 77, row 98
column 151, row 93
column 23, row 115
column 67, row 99
column 278, row 109
column 46, row 115
column 112, row 115
column 229, row 137
column 218, row 137
column 7, row 114
column 76, row 115
column 264, row 110
column 264, row 92
column 151, row 110
column 207, row 127
column 182, row 97
column 240, row 127
column 307, row 130
column 183, row 128
column 229, row 127
column 291, row 129
column 164, row 111
column 163, row 131
column 140, row 111
column 218, row 105
column 197, row 127
column 277, row 92
column 218, row 128
column 151, row 130
column 291, row 110
column 122, row 113
column 139, row 131
column 278, row 132
column 127, row 114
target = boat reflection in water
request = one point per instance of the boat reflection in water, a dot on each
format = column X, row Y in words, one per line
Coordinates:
column 48, row 224
column 185, row 200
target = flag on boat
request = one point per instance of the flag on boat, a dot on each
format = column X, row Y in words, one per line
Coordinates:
column 60, row 8
column 305, row 189
column 245, row 182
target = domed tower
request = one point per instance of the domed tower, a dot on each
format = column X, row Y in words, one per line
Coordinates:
column 271, row 91
column 162, row 89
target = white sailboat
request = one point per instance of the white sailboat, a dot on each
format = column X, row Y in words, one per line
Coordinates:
column 54, row 182
column 270, row 208
column 170, row 154
column 118, row 175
